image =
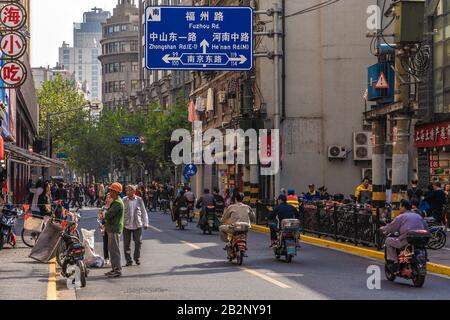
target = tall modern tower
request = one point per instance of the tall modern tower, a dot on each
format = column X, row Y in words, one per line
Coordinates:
column 82, row 58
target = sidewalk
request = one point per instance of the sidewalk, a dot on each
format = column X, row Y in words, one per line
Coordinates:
column 22, row 278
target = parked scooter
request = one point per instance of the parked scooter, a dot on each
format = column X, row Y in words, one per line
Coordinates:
column 237, row 246
column 7, row 222
column 183, row 217
column 288, row 240
column 412, row 259
column 73, row 266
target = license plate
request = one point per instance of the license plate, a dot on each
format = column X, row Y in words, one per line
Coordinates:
column 291, row 250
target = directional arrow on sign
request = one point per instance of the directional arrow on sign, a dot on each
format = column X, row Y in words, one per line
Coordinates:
column 242, row 59
column 204, row 44
column 167, row 58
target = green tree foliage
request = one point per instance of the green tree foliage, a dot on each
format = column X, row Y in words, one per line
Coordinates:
column 58, row 95
column 90, row 144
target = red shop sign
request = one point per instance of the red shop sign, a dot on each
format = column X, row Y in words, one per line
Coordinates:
column 432, row 135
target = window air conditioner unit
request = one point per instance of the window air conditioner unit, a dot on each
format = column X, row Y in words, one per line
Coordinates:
column 337, row 152
column 362, row 146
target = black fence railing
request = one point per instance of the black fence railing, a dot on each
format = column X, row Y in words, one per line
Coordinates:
column 340, row 222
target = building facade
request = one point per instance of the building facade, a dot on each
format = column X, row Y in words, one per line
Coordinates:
column 82, row 58
column 324, row 78
column 432, row 131
column 120, row 56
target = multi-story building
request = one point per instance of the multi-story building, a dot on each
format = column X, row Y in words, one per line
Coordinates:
column 432, row 132
column 41, row 74
column 120, row 56
column 19, row 129
column 82, row 58
column 324, row 77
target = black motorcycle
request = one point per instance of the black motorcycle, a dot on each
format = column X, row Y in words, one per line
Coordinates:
column 211, row 220
column 73, row 260
column 7, row 222
column 183, row 217
column 412, row 258
column 288, row 240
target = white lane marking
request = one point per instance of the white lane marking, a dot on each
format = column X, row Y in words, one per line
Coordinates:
column 156, row 229
column 191, row 245
column 266, row 278
column 285, row 275
column 448, row 249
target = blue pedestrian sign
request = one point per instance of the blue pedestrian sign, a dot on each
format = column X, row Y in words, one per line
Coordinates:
column 130, row 141
column 190, row 170
column 199, row 38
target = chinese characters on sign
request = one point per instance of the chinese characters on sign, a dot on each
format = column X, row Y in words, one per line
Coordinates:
column 199, row 38
column 13, row 44
column 432, row 135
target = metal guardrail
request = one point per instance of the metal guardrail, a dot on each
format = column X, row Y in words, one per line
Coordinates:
column 340, row 222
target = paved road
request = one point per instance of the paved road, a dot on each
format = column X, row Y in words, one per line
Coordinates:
column 179, row 265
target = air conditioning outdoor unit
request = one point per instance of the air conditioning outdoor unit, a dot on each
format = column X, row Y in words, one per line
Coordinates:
column 337, row 152
column 222, row 97
column 362, row 146
column 367, row 173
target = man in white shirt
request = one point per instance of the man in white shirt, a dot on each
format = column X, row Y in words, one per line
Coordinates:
column 136, row 219
column 37, row 191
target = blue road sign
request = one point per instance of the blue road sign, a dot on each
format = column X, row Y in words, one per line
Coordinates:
column 130, row 141
column 190, row 170
column 199, row 38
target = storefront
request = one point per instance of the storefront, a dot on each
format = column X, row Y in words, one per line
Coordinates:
column 433, row 143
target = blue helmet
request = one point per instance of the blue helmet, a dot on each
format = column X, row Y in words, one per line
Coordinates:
column 291, row 192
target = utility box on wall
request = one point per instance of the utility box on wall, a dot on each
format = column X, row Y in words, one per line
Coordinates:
column 411, row 16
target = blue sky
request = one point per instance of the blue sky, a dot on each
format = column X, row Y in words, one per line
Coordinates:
column 52, row 23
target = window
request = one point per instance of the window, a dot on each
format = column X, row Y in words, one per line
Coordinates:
column 134, row 66
column 441, row 58
column 134, row 45
column 116, row 28
column 123, row 67
column 124, row 27
column 134, row 85
column 116, row 86
column 136, row 28
column 122, row 46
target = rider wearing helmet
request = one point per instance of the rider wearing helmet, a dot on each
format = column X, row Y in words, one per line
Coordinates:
column 293, row 199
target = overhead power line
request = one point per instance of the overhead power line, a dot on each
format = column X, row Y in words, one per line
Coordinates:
column 313, row 8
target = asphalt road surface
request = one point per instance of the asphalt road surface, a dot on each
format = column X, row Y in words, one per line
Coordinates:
column 185, row 265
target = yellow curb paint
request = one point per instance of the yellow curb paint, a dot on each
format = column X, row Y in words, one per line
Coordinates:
column 266, row 278
column 431, row 267
column 51, row 285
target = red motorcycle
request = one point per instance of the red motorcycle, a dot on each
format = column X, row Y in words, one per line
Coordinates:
column 237, row 247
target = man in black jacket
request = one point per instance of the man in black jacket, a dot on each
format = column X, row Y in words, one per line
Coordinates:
column 282, row 211
column 436, row 199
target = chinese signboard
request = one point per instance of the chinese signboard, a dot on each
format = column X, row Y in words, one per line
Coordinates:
column 432, row 135
column 13, row 44
column 199, row 38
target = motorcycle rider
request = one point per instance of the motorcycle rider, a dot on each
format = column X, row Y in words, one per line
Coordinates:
column 179, row 202
column 235, row 213
column 205, row 201
column 284, row 210
column 405, row 222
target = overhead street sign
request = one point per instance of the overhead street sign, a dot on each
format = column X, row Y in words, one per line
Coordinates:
column 199, row 38
column 130, row 141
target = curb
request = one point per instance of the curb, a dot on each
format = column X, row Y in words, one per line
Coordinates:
column 51, row 285
column 432, row 267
